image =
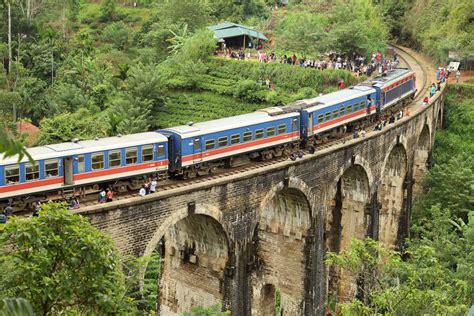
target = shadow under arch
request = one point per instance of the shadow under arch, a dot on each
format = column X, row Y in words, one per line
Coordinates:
column 193, row 241
column 202, row 209
column 421, row 159
column 285, row 247
column 355, row 160
column 348, row 219
column 393, row 195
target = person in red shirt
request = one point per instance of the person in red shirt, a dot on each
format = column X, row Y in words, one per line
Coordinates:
column 342, row 85
column 110, row 195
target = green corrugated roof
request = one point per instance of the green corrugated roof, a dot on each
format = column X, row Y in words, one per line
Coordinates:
column 228, row 29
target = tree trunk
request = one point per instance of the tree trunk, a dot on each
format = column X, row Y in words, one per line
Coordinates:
column 9, row 37
column 28, row 9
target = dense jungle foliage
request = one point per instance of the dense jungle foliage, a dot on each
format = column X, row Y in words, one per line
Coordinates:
column 84, row 69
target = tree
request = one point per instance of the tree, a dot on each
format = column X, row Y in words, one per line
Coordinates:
column 130, row 115
column 64, row 127
column 108, row 10
column 61, row 265
column 9, row 147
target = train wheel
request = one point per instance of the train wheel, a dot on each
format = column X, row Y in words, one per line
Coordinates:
column 311, row 149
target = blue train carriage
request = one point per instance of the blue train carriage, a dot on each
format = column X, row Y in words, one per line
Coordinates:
column 78, row 167
column 324, row 116
column 201, row 148
column 395, row 88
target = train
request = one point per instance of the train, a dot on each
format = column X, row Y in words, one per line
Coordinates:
column 79, row 168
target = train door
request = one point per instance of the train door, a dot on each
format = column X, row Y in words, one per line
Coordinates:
column 68, row 172
column 197, row 150
column 310, row 124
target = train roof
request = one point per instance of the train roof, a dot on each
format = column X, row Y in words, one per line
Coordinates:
column 337, row 97
column 388, row 77
column 87, row 146
column 257, row 117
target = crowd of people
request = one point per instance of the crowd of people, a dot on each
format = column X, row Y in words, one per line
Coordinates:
column 148, row 187
column 355, row 63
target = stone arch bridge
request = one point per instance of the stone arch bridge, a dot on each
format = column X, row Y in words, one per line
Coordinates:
column 235, row 240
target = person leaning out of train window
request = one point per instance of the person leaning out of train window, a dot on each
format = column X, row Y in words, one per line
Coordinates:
column 369, row 105
column 142, row 191
column 110, row 195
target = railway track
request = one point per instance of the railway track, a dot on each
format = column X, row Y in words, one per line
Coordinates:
column 170, row 184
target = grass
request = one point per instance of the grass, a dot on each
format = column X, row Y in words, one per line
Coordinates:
column 184, row 107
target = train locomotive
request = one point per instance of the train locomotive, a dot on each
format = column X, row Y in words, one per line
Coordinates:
column 122, row 162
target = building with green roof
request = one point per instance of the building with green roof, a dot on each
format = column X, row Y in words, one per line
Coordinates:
column 236, row 35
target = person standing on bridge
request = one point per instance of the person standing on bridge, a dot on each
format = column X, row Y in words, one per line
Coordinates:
column 432, row 90
column 153, row 185
column 142, row 191
column 110, row 195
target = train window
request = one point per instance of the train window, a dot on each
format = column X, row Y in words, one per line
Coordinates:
column 12, row 174
column 362, row 105
column 131, row 155
column 270, row 131
column 81, row 164
column 259, row 133
column 161, row 151
column 320, row 118
column 32, row 171
column 282, row 129
column 349, row 108
column 247, row 136
column 294, row 125
column 197, row 144
column 209, row 144
column 235, row 139
column 328, row 116
column 147, row 153
column 97, row 161
column 115, row 158
column 51, row 168
column 342, row 111
column 222, row 141
column 335, row 113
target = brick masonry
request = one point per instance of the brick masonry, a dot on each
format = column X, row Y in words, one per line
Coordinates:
column 235, row 240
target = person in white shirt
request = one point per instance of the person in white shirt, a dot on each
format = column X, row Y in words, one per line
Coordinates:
column 153, row 186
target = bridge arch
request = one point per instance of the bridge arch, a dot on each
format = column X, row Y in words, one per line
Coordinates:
column 196, row 250
column 203, row 209
column 348, row 219
column 392, row 194
column 421, row 158
column 284, row 224
column 439, row 119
